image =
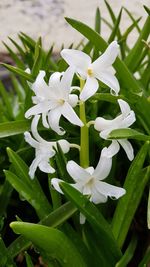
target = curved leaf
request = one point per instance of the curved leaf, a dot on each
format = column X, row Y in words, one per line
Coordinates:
column 52, row 241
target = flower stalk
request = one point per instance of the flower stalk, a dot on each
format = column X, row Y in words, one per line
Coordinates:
column 84, row 133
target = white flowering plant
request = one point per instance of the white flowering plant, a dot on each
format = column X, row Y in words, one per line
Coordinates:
column 77, row 131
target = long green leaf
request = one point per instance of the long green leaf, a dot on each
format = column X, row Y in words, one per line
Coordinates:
column 52, row 241
column 54, row 219
column 129, row 134
column 22, row 170
column 5, row 259
column 6, row 99
column 115, row 28
column 135, row 183
column 18, row 71
column 13, row 128
column 123, row 72
column 132, row 58
column 97, row 221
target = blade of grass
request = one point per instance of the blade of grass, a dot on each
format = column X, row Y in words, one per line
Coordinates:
column 132, row 58
column 18, row 71
column 13, row 128
column 135, row 183
column 6, row 100
column 115, row 28
column 97, row 221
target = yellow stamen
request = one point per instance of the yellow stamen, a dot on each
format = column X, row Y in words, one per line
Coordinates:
column 61, row 101
column 90, row 72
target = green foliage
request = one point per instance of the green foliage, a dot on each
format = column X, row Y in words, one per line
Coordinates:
column 109, row 236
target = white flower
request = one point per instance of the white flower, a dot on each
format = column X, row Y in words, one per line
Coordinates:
column 54, row 100
column 89, row 181
column 124, row 120
column 100, row 69
column 44, row 150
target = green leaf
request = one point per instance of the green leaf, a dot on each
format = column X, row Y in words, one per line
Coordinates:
column 132, row 58
column 126, row 258
column 54, row 219
column 19, row 48
column 13, row 128
column 133, row 19
column 19, row 72
column 135, row 183
column 5, row 259
column 123, row 72
column 14, row 56
column 98, row 21
column 52, row 241
column 147, row 10
column 115, row 28
column 97, row 221
column 28, row 260
column 146, row 259
column 5, row 195
column 112, row 15
column 37, row 58
column 35, row 195
column 105, row 97
column 148, row 211
column 128, row 134
column 6, row 99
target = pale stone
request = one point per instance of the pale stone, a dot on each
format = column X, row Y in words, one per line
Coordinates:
column 46, row 18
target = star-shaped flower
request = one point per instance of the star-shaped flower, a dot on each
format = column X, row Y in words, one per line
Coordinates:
column 101, row 69
column 124, row 120
column 89, row 181
column 54, row 100
column 44, row 150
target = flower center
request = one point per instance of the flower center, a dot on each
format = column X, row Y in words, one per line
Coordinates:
column 61, row 101
column 90, row 182
column 90, row 72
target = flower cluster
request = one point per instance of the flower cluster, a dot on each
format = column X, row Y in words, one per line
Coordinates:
column 56, row 99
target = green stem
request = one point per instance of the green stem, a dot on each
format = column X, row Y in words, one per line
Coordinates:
column 84, row 135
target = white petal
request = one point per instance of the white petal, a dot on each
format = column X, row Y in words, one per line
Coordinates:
column 42, row 107
column 34, row 166
column 87, row 190
column 39, row 87
column 73, row 100
column 90, row 170
column 82, row 218
column 66, row 81
column 77, row 59
column 110, row 190
column 53, row 119
column 65, row 146
column 44, row 166
column 129, row 120
column 124, row 106
column 70, row 115
column 103, row 167
column 113, row 149
column 110, row 80
column 77, row 172
column 127, row 148
column 102, row 124
column 96, row 196
column 34, row 130
column 29, row 139
column 55, row 78
column 55, row 183
column 44, row 120
column 89, row 89
column 107, row 58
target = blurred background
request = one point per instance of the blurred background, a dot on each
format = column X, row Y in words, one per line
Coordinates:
column 45, row 18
